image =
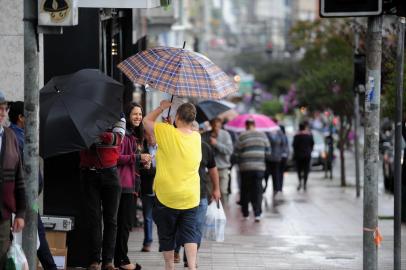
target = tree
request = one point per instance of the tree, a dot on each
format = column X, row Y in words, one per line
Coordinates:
column 271, row 107
column 326, row 72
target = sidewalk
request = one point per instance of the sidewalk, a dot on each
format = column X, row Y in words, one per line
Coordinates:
column 317, row 229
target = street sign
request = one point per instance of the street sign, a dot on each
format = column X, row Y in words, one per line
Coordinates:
column 350, row 8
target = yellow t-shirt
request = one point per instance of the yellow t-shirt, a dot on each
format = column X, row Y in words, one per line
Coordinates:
column 177, row 183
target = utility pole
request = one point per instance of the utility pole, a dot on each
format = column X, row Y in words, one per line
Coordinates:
column 356, row 119
column 31, row 113
column 371, row 149
column 398, row 143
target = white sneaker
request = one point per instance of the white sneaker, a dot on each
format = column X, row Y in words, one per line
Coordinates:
column 258, row 219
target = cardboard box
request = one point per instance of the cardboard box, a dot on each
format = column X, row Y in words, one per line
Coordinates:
column 56, row 240
column 60, row 256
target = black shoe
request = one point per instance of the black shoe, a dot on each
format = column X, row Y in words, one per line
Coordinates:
column 299, row 186
column 304, row 187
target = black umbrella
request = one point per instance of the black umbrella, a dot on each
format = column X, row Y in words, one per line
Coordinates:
column 210, row 109
column 75, row 108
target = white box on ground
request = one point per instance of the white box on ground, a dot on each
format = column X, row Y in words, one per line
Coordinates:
column 57, row 223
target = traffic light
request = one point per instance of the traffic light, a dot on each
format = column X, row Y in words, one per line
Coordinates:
column 359, row 69
column 350, row 8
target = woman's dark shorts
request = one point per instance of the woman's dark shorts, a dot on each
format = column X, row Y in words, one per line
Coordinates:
column 174, row 226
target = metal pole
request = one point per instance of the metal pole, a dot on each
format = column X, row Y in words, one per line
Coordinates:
column 356, row 124
column 356, row 143
column 371, row 151
column 398, row 144
column 31, row 109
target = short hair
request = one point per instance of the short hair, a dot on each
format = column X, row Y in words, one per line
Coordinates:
column 16, row 109
column 187, row 113
column 216, row 120
column 302, row 126
column 249, row 122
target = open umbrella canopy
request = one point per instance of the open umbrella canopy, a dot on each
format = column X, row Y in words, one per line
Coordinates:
column 75, row 109
column 210, row 109
column 262, row 123
column 178, row 72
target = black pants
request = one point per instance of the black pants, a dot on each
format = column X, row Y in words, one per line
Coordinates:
column 303, row 168
column 251, row 191
column 124, row 225
column 43, row 253
column 102, row 191
column 274, row 168
column 282, row 169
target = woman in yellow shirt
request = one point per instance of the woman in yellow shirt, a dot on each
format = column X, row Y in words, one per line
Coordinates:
column 176, row 183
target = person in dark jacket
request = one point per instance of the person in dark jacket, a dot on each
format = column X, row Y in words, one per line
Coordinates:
column 17, row 124
column 102, row 190
column 12, row 184
column 147, row 192
column 302, row 151
column 129, row 163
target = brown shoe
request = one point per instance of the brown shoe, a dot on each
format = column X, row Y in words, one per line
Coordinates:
column 146, row 248
column 176, row 258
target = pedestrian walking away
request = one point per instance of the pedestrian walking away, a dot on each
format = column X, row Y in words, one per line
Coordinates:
column 220, row 141
column 176, row 184
column 252, row 151
column 302, row 151
column 273, row 165
column 208, row 164
column 129, row 163
column 102, row 193
column 285, row 156
column 17, row 124
column 12, row 184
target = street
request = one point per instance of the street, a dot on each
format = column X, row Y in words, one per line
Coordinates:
column 317, row 229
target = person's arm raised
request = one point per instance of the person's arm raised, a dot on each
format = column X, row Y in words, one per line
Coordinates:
column 149, row 119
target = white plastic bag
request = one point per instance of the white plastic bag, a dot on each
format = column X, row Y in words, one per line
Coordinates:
column 16, row 259
column 215, row 222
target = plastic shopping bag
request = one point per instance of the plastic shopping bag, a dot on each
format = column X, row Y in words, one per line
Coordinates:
column 16, row 259
column 215, row 222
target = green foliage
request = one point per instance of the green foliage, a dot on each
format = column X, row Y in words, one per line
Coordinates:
column 271, row 107
column 326, row 69
column 277, row 76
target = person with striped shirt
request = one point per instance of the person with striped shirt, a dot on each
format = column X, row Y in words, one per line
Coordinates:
column 252, row 150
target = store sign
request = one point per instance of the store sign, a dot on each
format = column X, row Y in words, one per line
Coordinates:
column 58, row 12
column 119, row 3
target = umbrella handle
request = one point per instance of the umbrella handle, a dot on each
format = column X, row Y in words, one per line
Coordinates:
column 169, row 111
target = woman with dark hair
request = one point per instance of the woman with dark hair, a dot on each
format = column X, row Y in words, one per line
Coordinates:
column 129, row 164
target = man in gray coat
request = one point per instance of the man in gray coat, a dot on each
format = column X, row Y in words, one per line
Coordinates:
column 220, row 141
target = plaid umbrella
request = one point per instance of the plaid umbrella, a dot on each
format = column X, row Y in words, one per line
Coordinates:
column 178, row 72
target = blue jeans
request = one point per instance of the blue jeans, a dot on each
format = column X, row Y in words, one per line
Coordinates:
column 200, row 217
column 147, row 205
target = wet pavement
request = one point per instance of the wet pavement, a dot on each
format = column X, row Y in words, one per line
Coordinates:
column 317, row 229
